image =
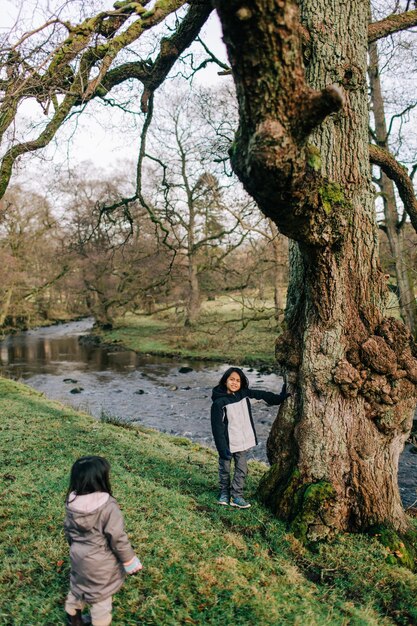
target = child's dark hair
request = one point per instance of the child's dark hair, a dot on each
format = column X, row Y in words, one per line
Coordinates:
column 89, row 474
column 244, row 383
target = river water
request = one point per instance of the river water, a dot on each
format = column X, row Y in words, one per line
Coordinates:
column 173, row 396
column 170, row 395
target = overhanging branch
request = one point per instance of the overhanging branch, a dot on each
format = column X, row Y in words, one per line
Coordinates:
column 173, row 47
column 30, row 146
column 392, row 24
column 69, row 68
column 398, row 173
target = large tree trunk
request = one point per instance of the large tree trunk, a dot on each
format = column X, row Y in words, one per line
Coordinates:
column 335, row 445
column 393, row 227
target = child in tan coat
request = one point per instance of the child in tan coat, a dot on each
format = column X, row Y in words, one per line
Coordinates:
column 100, row 552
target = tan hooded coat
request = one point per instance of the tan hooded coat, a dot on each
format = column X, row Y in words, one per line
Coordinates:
column 98, row 546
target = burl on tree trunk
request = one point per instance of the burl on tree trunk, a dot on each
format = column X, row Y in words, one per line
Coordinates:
column 301, row 151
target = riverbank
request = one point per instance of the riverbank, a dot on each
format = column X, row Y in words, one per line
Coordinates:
column 221, row 334
column 69, row 365
column 203, row 564
column 28, row 324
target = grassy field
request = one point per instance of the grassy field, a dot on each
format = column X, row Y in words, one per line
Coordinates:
column 203, row 564
column 223, row 332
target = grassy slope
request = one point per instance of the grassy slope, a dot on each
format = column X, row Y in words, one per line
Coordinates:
column 221, row 334
column 203, row 564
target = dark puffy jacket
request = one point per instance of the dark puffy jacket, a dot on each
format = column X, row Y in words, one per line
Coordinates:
column 231, row 418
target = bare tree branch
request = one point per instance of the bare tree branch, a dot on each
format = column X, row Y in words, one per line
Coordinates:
column 397, row 173
column 410, row 107
column 30, row 146
column 55, row 74
column 394, row 23
column 214, row 59
column 50, row 282
column 139, row 173
column 173, row 47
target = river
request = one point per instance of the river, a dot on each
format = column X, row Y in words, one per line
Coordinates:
column 170, row 395
column 173, row 396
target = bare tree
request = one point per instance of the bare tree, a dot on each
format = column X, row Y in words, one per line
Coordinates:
column 280, row 250
column 116, row 255
column 203, row 213
column 30, row 239
column 302, row 152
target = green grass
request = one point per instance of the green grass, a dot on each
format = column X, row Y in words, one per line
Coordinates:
column 223, row 333
column 203, row 564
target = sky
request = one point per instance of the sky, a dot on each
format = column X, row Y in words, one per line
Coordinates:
column 107, row 138
column 110, row 138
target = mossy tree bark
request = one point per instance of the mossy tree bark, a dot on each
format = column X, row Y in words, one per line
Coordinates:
column 302, row 152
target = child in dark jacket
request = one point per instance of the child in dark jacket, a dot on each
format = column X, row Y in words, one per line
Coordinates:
column 101, row 554
column 234, row 431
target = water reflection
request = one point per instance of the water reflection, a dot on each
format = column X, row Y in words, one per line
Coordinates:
column 27, row 355
column 171, row 395
column 46, row 351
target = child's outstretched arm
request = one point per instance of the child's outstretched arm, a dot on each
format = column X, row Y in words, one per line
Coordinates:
column 268, row 396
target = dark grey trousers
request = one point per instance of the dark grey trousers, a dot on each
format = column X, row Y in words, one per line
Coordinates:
column 241, row 469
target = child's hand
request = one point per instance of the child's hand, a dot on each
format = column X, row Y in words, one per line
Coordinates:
column 133, row 566
column 284, row 393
